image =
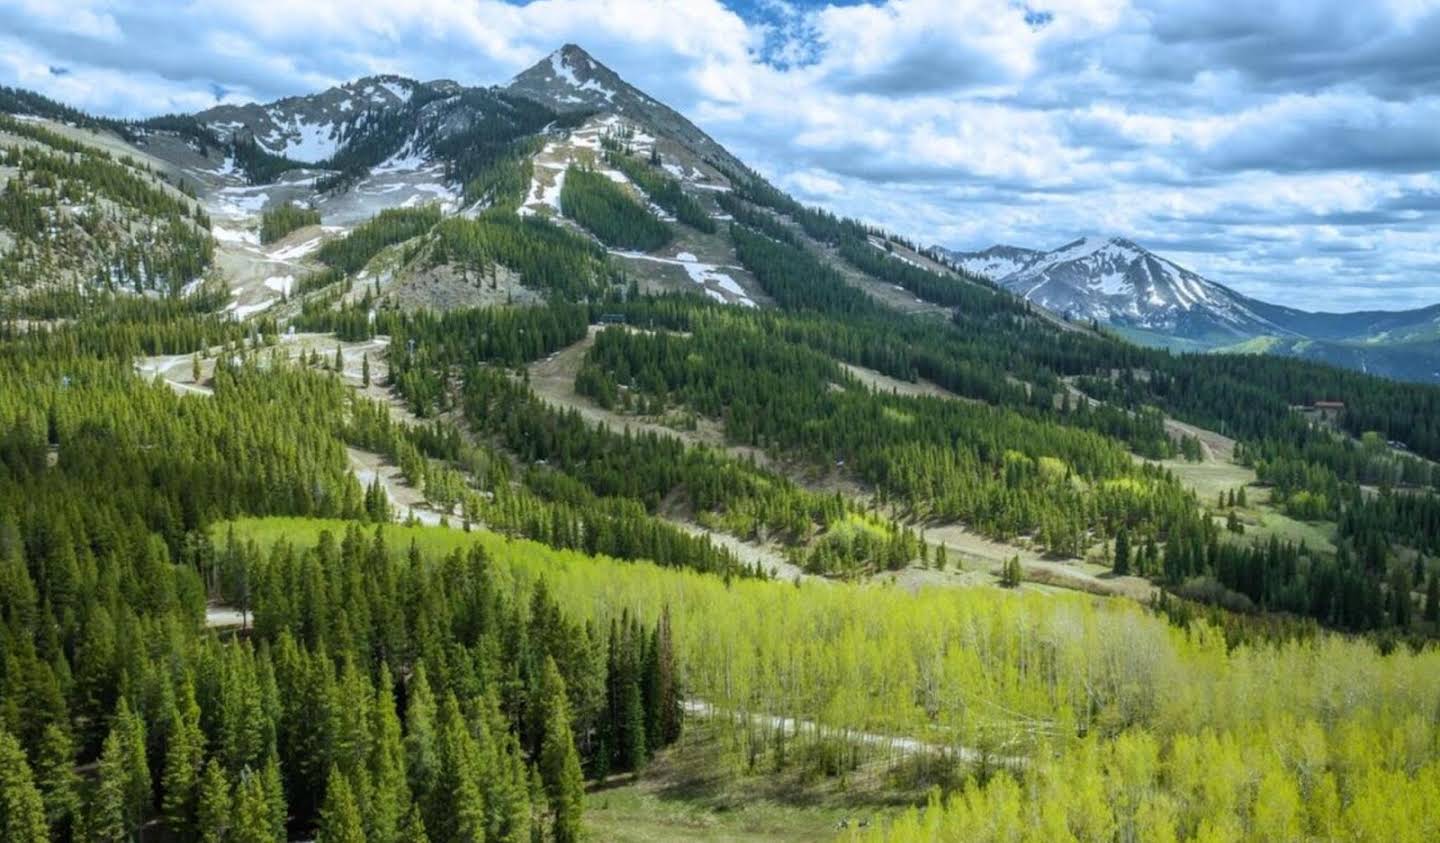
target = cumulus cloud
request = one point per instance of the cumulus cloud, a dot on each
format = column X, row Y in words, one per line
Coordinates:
column 1284, row 148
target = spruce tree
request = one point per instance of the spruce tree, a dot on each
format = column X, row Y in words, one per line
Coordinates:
column 58, row 782
column 251, row 820
column 111, row 819
column 633, row 750
column 274, row 791
column 390, row 792
column 184, row 757
column 413, row 831
column 1432, row 599
column 420, row 736
column 1122, row 552
column 212, row 809
column 22, row 808
column 340, row 820
column 559, row 762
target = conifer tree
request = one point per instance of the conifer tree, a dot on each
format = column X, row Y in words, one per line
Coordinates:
column 274, row 791
column 420, row 736
column 1122, row 552
column 251, row 820
column 633, row 750
column 1432, row 599
column 184, row 760
column 58, row 782
column 559, row 763
column 390, row 792
column 212, row 810
column 414, row 829
column 22, row 809
column 111, row 819
column 340, row 820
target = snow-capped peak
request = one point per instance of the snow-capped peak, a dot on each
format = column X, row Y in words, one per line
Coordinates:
column 1113, row 279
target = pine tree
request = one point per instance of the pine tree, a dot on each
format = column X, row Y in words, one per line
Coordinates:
column 340, row 820
column 274, row 791
column 111, row 819
column 390, row 792
column 58, row 782
column 365, row 369
column 420, row 736
column 212, row 810
column 184, row 759
column 559, row 762
column 1432, row 599
column 414, row 829
column 664, row 692
column 251, row 821
column 633, row 751
column 1122, row 552
column 1011, row 574
column 22, row 809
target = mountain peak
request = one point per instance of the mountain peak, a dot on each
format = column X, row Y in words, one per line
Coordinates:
column 571, row 80
column 1114, row 279
column 574, row 53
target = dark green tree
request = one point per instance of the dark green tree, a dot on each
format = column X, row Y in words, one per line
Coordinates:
column 559, row 762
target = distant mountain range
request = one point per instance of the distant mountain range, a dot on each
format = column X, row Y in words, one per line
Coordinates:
column 387, row 141
column 1153, row 300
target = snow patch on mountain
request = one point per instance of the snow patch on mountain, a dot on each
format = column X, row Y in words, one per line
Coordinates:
column 995, row 262
column 1114, row 280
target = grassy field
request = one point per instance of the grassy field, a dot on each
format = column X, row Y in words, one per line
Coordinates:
column 691, row 792
column 1209, row 479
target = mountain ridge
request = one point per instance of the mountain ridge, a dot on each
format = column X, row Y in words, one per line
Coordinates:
column 1113, row 280
column 392, row 141
column 1155, row 301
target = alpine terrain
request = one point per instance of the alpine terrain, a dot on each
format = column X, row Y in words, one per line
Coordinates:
column 437, row 461
column 1154, row 301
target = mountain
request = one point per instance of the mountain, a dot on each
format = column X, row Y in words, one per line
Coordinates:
column 1115, row 281
column 571, row 80
column 311, row 129
column 995, row 262
column 1155, row 301
column 386, row 142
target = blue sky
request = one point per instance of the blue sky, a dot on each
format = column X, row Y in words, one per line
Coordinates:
column 1288, row 149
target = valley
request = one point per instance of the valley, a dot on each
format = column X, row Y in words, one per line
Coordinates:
column 573, row 481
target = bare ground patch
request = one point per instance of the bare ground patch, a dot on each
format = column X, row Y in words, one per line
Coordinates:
column 980, row 554
column 553, row 381
column 884, row 383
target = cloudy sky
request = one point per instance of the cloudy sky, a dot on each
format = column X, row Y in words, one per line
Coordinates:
column 1288, row 149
